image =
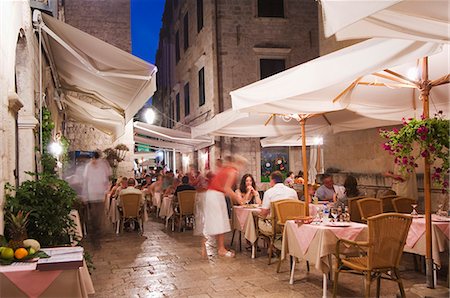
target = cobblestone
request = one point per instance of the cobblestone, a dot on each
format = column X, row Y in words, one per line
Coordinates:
column 168, row 264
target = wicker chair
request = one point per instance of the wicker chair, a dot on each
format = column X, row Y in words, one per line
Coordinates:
column 131, row 210
column 286, row 210
column 270, row 237
column 353, row 209
column 380, row 255
column 369, row 207
column 403, row 205
column 387, row 203
column 186, row 203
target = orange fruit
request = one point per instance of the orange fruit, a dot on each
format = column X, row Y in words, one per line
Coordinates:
column 20, row 253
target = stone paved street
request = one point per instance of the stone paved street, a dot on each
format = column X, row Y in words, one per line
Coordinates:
column 165, row 263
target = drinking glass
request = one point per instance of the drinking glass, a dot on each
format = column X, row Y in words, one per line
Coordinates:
column 414, row 211
column 334, row 213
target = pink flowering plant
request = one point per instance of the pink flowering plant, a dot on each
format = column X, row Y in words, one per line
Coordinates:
column 431, row 137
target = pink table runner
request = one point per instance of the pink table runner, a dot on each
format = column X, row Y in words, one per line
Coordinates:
column 32, row 283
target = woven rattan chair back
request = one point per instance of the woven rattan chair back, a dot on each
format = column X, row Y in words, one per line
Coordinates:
column 186, row 201
column 385, row 242
column 369, row 207
column 130, row 205
column 289, row 209
column 387, row 203
column 353, row 209
column 403, row 205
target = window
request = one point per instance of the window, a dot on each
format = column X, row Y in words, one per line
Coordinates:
column 271, row 8
column 187, row 103
column 201, row 87
column 177, row 107
column 177, row 46
column 186, row 31
column 199, row 15
column 268, row 67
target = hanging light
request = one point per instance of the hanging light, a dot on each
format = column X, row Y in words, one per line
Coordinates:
column 55, row 149
column 149, row 116
column 318, row 141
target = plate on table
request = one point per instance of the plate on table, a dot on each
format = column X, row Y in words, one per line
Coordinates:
column 338, row 224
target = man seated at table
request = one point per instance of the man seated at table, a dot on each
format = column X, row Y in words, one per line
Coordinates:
column 184, row 185
column 328, row 191
column 277, row 192
column 131, row 189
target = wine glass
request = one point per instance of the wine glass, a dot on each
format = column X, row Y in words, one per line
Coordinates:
column 317, row 218
column 334, row 213
column 414, row 211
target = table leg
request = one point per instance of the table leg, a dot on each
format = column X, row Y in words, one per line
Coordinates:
column 117, row 226
column 253, row 249
column 291, row 280
column 324, row 286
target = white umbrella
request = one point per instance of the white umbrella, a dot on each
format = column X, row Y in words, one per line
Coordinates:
column 364, row 78
column 417, row 20
column 413, row 20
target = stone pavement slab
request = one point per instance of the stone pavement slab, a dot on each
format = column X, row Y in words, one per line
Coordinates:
column 162, row 263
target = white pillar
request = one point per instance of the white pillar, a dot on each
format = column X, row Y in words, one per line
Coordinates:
column 174, row 160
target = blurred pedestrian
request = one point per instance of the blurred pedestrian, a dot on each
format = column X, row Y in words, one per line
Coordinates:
column 96, row 183
column 217, row 222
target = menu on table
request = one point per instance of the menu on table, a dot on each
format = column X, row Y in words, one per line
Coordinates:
column 61, row 258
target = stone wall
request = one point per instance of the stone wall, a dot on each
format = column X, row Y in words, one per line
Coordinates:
column 245, row 38
column 108, row 20
column 19, row 74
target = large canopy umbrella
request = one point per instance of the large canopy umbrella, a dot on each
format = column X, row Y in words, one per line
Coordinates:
column 413, row 20
column 424, row 20
column 235, row 124
column 347, row 79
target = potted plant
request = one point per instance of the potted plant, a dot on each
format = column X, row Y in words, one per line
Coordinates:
column 49, row 201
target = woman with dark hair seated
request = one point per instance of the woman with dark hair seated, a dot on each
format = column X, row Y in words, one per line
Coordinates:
column 351, row 189
column 247, row 192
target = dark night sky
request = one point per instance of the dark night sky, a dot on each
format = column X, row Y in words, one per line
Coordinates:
column 145, row 24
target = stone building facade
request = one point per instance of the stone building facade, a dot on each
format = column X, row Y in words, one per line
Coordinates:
column 229, row 47
column 208, row 48
column 20, row 69
column 109, row 21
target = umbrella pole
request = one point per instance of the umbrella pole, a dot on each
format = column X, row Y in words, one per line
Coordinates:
column 305, row 167
column 424, row 92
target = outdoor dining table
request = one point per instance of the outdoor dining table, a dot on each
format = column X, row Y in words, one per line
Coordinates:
column 440, row 230
column 244, row 222
column 166, row 210
column 316, row 243
column 23, row 279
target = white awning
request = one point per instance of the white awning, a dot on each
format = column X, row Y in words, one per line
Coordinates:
column 167, row 138
column 97, row 71
column 424, row 20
